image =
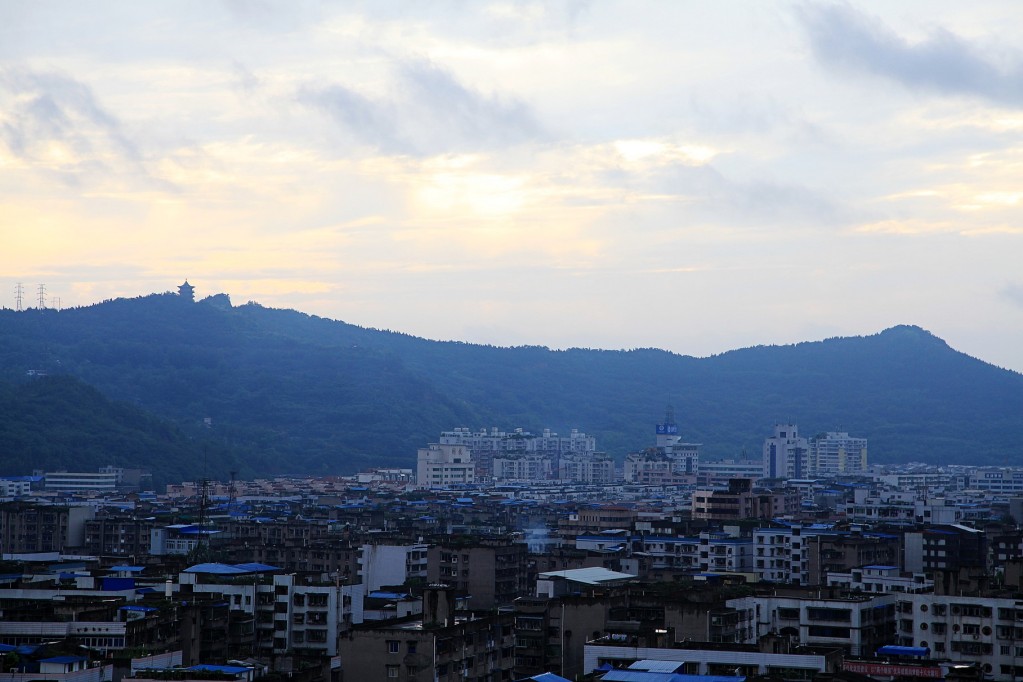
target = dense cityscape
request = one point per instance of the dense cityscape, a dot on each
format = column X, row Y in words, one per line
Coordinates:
column 511, row 341
column 509, row 555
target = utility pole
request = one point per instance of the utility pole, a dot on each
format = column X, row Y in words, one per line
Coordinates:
column 42, row 296
column 19, row 291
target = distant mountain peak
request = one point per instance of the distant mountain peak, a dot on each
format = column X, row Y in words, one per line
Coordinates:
column 911, row 332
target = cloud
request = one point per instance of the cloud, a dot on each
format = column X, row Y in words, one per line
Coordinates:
column 371, row 121
column 428, row 111
column 245, row 80
column 56, row 124
column 841, row 37
column 461, row 115
column 1013, row 293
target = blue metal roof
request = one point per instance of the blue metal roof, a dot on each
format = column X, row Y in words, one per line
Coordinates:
column 546, row 677
column 229, row 669
column 63, row 659
column 257, row 567
column 377, row 594
column 643, row 676
column 893, row 650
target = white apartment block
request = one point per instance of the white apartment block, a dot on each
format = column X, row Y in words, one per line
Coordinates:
column 685, row 456
column 596, row 468
column 918, row 480
column 440, row 465
column 496, row 441
column 14, row 488
column 720, row 472
column 644, row 467
column 381, row 565
column 837, row 453
column 708, row 553
column 782, row 555
column 999, row 481
column 288, row 615
column 880, row 580
column 786, row 453
column 80, row 481
column 694, row 661
column 890, row 507
column 983, row 629
column 856, row 624
column 522, row 468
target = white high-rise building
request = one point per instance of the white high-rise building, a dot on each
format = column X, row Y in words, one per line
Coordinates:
column 684, row 456
column 485, row 446
column 522, row 468
column 786, row 453
column 440, row 465
column 837, row 453
column 595, row 468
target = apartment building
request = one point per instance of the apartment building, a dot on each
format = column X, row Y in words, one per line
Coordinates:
column 491, row 572
column 943, row 548
column 740, row 501
column 441, row 465
column 522, row 468
column 836, row 452
column 289, row 615
column 441, row 645
column 786, row 453
column 879, row 579
column 26, row 527
column 590, row 468
column 982, row 629
column 782, row 555
column 845, row 551
column 858, row 624
column 485, row 445
column 118, row 535
column 386, row 564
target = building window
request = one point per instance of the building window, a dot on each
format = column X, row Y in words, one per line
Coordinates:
column 393, row 646
column 392, row 671
column 412, row 647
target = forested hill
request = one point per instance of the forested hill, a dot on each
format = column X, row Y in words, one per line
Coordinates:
column 289, row 392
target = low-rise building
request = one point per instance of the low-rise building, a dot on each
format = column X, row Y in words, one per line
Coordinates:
column 880, row 579
column 441, row 645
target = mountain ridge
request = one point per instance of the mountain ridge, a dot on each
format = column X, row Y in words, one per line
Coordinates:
column 291, row 391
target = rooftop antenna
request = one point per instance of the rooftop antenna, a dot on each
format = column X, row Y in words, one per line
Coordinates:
column 231, row 492
column 42, row 296
column 19, row 292
column 669, row 413
column 202, row 547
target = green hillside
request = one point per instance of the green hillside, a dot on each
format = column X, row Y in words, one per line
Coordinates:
column 58, row 422
column 289, row 392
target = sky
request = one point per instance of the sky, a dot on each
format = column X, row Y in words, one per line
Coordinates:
column 693, row 176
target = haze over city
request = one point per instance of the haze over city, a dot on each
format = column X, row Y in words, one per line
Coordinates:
column 690, row 176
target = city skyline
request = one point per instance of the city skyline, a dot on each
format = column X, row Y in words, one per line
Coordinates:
column 617, row 175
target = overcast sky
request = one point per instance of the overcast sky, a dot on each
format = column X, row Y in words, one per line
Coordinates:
column 695, row 176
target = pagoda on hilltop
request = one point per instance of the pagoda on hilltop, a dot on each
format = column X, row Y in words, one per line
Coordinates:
column 187, row 291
